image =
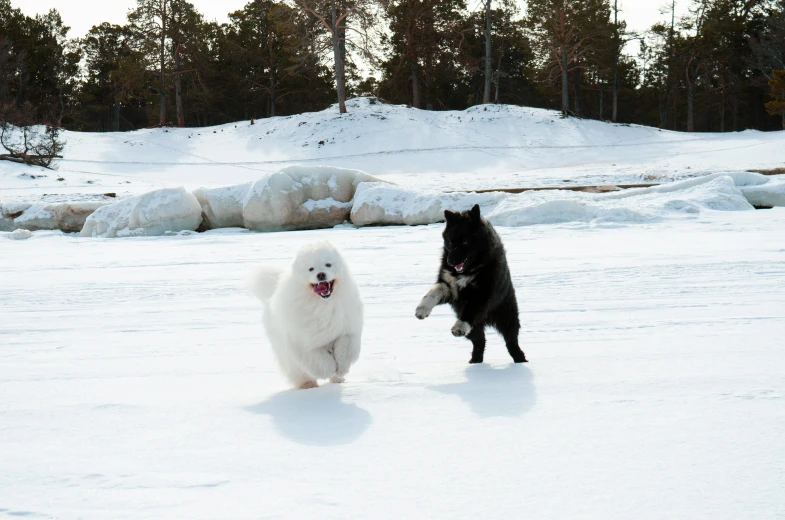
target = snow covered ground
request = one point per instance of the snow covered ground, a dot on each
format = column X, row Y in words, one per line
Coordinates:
column 482, row 147
column 135, row 380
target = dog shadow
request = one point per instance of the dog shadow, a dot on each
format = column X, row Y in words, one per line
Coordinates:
column 494, row 392
column 315, row 417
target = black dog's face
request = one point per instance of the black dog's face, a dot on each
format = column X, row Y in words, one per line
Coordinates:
column 465, row 240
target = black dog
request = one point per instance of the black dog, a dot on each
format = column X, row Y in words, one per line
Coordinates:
column 475, row 281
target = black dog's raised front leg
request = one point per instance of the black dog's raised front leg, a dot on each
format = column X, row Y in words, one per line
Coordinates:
column 437, row 295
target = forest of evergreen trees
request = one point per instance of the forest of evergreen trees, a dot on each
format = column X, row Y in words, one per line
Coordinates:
column 719, row 68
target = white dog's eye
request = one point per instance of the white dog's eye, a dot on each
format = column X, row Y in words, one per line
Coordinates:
column 329, row 265
column 311, row 269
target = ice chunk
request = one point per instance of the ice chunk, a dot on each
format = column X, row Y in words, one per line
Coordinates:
column 383, row 204
column 672, row 200
column 300, row 197
column 8, row 212
column 19, row 234
column 150, row 214
column 65, row 216
column 222, row 207
column 766, row 195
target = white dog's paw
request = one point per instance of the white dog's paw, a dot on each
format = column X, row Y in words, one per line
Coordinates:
column 308, row 384
column 423, row 311
column 461, row 328
column 337, row 379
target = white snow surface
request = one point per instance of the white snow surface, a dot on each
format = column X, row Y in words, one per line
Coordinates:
column 492, row 146
column 136, row 381
column 151, row 214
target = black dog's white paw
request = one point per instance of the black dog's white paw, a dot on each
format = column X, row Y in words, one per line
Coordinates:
column 461, row 328
column 422, row 311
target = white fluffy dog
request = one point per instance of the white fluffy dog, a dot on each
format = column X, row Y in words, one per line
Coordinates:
column 312, row 313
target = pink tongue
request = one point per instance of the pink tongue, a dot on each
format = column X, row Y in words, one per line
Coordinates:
column 459, row 267
column 321, row 287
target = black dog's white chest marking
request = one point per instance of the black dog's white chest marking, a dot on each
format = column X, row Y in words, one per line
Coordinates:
column 441, row 292
column 456, row 283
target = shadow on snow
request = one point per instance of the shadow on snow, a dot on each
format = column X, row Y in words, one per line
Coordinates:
column 495, row 392
column 316, row 417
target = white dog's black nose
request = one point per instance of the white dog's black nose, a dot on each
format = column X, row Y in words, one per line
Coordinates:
column 321, row 276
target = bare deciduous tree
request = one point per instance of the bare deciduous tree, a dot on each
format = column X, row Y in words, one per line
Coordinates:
column 26, row 142
column 335, row 17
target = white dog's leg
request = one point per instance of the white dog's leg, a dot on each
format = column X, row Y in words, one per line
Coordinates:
column 346, row 351
column 298, row 377
column 436, row 296
column 318, row 362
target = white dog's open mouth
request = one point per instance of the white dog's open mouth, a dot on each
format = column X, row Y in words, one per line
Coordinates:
column 323, row 289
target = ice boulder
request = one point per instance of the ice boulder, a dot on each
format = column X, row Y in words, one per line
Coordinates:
column 19, row 234
column 297, row 197
column 150, row 214
column 222, row 207
column 10, row 211
column 69, row 217
column 765, row 194
column 683, row 199
column 383, row 204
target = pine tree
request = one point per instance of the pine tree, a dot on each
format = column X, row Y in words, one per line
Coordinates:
column 777, row 106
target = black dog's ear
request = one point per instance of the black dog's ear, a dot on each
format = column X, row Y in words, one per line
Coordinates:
column 449, row 216
column 474, row 213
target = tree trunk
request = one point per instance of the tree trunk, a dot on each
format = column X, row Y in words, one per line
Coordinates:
column 690, row 106
column 565, row 84
column 116, row 111
column 498, row 76
column 272, row 84
column 735, row 114
column 178, row 88
column 615, row 115
column 415, row 85
column 616, row 51
column 602, row 108
column 577, row 91
column 162, row 91
column 338, row 58
column 486, row 96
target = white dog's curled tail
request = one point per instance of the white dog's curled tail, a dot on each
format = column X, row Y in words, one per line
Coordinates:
column 263, row 281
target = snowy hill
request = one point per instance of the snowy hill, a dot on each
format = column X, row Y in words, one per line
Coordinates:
column 483, row 147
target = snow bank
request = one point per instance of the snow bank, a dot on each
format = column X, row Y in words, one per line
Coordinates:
column 150, row 214
column 296, row 197
column 628, row 206
column 69, row 217
column 382, row 204
column 377, row 204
